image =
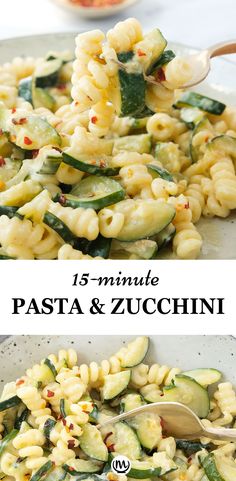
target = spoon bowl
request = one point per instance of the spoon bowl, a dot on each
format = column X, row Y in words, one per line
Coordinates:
column 178, row 421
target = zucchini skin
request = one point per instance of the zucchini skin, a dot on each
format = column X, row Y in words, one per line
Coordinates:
column 10, row 211
column 7, row 439
column 190, row 447
column 209, row 466
column 89, row 168
column 144, row 473
column 10, row 403
column 23, row 417
column 164, row 58
column 202, row 102
column 59, row 227
column 95, row 204
column 132, row 89
column 99, row 247
column 48, row 426
column 51, row 366
column 42, row 471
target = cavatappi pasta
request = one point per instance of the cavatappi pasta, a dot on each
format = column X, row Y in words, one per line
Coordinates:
column 96, row 162
column 49, row 418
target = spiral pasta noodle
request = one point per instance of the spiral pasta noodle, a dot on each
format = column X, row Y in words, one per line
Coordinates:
column 125, row 35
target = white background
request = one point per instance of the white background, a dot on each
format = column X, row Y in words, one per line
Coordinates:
column 177, row 279
column 197, row 23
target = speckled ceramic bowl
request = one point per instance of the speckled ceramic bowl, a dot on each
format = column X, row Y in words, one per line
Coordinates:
column 218, row 234
column 17, row 353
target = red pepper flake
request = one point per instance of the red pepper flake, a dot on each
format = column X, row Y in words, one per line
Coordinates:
column 71, row 427
column 19, row 382
column 20, row 121
column 2, row 161
column 1, row 132
column 160, row 75
column 59, row 417
column 50, row 393
column 189, row 459
column 102, row 163
column 107, row 436
column 63, row 421
column 141, row 53
column 13, row 110
column 62, row 199
column 162, row 394
column 27, row 141
column 186, row 206
column 71, row 444
column 94, row 119
column 111, row 448
column 70, row 468
column 76, row 104
column 61, row 86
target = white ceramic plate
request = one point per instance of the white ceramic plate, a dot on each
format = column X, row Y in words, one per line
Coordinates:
column 17, row 353
column 92, row 12
column 219, row 235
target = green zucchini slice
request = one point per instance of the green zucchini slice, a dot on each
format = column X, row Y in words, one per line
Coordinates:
column 148, row 51
column 126, row 441
column 52, row 368
column 145, row 248
column 202, row 102
column 7, row 439
column 115, row 384
column 38, row 97
column 64, row 408
column 224, row 144
column 21, row 418
column 130, row 401
column 143, row 470
column 139, row 227
column 157, row 171
column 79, row 466
column 204, row 376
column 93, row 192
column 92, row 165
column 191, row 116
column 99, row 247
column 25, row 89
column 92, row 444
column 219, row 468
column 141, row 143
column 9, row 211
column 134, row 353
column 190, row 447
column 4, row 256
column 128, row 89
column 9, row 403
column 189, row 392
column 48, row 426
column 148, row 429
column 165, row 236
column 59, row 227
column 164, row 58
column 47, row 73
column 42, row 471
column 33, row 134
column 56, row 474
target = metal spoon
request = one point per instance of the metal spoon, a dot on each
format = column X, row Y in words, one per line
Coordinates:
column 199, row 61
column 178, row 420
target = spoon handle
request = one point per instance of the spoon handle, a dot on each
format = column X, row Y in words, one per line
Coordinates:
column 223, row 434
column 222, row 48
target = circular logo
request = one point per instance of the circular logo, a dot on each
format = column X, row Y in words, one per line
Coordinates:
column 121, row 465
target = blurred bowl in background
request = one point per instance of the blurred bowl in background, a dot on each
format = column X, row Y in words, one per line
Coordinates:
column 94, row 12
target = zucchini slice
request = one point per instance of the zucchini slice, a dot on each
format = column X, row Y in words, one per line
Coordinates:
column 34, row 133
column 38, row 97
column 52, row 368
column 64, row 408
column 145, row 248
column 130, row 401
column 92, row 444
column 148, row 429
column 10, row 403
column 21, row 418
column 140, row 225
column 42, row 471
column 47, row 428
column 195, row 150
column 9, row 211
column 127, row 91
column 165, row 236
column 4, row 256
column 25, row 89
column 98, row 247
column 92, row 165
column 141, row 143
column 148, row 51
column 93, row 192
column 189, row 392
column 126, row 441
column 59, row 227
column 219, row 468
column 47, row 73
column 157, row 171
column 191, row 116
column 79, row 466
column 57, row 474
column 134, row 353
column 224, row 144
column 143, row 470
column 115, row 384
column 204, row 376
column 7, row 439
column 202, row 102
column 190, row 447
column 164, row 58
